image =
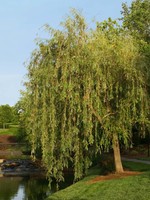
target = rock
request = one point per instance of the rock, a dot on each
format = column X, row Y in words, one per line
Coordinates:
column 1, row 161
column 20, row 168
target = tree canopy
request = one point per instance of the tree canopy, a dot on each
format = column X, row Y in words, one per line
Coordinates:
column 136, row 18
column 6, row 114
column 85, row 90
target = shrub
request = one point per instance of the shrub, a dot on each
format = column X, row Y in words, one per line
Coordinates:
column 107, row 163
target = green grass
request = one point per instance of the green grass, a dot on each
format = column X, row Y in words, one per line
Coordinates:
column 146, row 158
column 12, row 130
column 133, row 166
column 129, row 188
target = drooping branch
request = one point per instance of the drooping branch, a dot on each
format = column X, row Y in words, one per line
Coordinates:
column 100, row 119
column 107, row 115
column 95, row 114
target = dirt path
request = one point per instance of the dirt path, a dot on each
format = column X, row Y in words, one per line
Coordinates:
column 136, row 160
column 8, row 147
column 114, row 176
column 7, row 139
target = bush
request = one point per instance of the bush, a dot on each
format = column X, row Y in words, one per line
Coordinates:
column 107, row 163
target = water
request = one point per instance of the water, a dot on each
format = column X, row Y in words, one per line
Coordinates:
column 29, row 188
column 24, row 188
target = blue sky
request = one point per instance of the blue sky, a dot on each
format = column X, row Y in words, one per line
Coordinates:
column 21, row 21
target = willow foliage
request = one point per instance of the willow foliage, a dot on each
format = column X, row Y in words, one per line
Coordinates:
column 136, row 18
column 84, row 86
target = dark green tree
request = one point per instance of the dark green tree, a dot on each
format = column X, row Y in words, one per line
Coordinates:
column 16, row 113
column 6, row 114
column 136, row 18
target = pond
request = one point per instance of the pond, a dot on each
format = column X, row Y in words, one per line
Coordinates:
column 23, row 188
column 26, row 188
column 20, row 178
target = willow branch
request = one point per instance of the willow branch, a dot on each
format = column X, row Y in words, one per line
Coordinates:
column 108, row 115
column 95, row 113
column 100, row 119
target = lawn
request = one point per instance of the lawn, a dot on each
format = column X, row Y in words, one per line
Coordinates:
column 128, row 188
column 12, row 130
column 147, row 158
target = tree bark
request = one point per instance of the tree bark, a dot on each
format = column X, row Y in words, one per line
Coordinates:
column 117, row 156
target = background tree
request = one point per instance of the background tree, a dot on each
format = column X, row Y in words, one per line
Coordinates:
column 15, row 113
column 19, row 119
column 136, row 18
column 85, row 91
column 6, row 115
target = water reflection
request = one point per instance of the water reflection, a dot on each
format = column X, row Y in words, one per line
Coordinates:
column 29, row 188
column 18, row 188
column 20, row 194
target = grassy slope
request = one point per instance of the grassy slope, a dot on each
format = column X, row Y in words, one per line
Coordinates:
column 129, row 188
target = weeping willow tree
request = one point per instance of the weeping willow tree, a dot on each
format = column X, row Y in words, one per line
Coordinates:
column 84, row 92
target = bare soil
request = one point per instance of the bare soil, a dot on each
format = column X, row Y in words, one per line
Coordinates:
column 7, row 139
column 114, row 176
column 6, row 147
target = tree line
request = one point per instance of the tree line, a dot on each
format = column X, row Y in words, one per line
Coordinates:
column 87, row 88
column 8, row 114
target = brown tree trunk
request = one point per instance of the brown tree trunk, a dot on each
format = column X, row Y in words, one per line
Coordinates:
column 117, row 156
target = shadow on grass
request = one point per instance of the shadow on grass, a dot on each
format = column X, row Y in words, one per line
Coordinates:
column 133, row 166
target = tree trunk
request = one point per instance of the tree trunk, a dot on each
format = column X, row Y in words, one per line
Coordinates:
column 148, row 145
column 3, row 125
column 117, row 156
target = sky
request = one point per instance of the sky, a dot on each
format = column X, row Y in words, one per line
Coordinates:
column 22, row 21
